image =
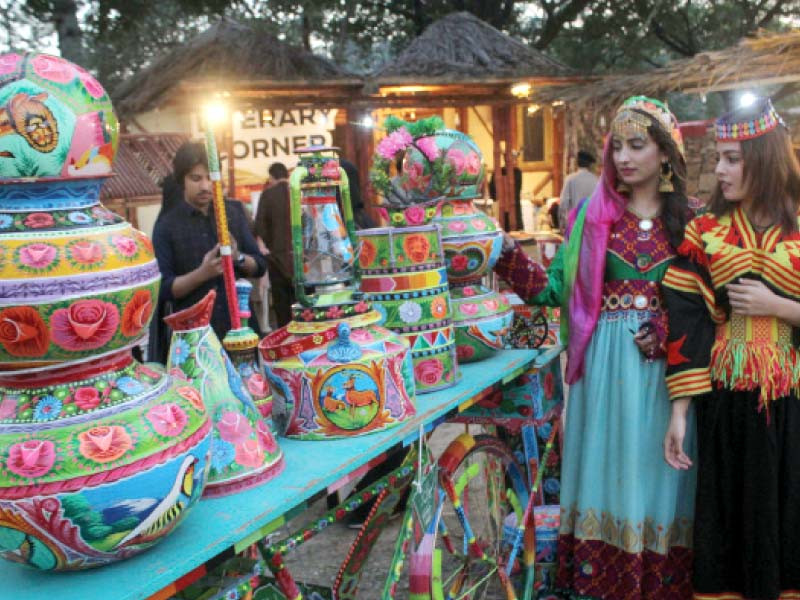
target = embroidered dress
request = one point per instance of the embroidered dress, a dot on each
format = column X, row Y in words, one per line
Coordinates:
column 626, row 517
column 744, row 375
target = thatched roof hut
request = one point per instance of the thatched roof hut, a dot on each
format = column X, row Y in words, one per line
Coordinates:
column 460, row 48
column 231, row 56
column 766, row 58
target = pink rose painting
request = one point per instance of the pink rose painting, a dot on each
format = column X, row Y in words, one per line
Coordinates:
column 85, row 325
column 86, row 252
column 192, row 395
column 415, row 177
column 87, row 398
column 428, row 147
column 53, row 68
column 168, row 420
column 90, row 83
column 8, row 407
column 330, row 169
column 415, row 215
column 31, row 458
column 249, row 454
column 478, row 224
column 457, row 226
column 39, row 220
column 126, row 246
column 266, row 438
column 37, row 256
column 490, row 305
column 105, row 443
column 469, row 309
column 465, row 352
column 472, row 164
column 429, row 372
column 8, row 63
column 456, row 158
column 459, row 262
column 234, row 428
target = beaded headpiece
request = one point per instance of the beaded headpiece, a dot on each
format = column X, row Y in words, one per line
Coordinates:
column 637, row 113
column 732, row 127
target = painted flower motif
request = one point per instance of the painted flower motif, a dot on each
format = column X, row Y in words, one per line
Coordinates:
column 457, row 226
column 104, row 215
column 137, row 313
column 257, row 385
column 90, row 83
column 439, row 308
column 469, row 308
column 361, row 307
column 473, row 264
column 129, row 386
column 193, row 396
column 6, row 221
column 39, row 220
column 393, row 143
column 105, row 443
column 427, row 145
column 79, row 218
column 168, row 420
column 37, row 255
column 330, row 169
column 31, row 458
column 478, row 224
column 472, row 163
column 265, row 438
column 85, row 325
column 366, row 254
column 8, row 62
column 47, row 408
column 429, row 372
column 222, row 454
column 468, row 291
column 410, row 312
column 250, row 454
column 464, row 352
column 180, row 351
column 126, row 246
column 53, row 68
column 417, row 246
column 490, row 305
column 86, row 252
column 551, row 486
column 459, row 262
column 334, row 312
column 307, row 314
column 461, row 208
column 233, row 427
column 232, row 594
column 415, row 177
column 8, row 407
column 456, row 158
column 23, row 332
column 415, row 215
column 87, row 398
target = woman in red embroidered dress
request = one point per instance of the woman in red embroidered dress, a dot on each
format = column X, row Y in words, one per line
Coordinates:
column 732, row 299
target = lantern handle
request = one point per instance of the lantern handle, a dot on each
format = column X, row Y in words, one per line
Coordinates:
column 350, row 225
column 296, row 218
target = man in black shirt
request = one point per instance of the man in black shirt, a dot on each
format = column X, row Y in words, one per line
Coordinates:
column 186, row 247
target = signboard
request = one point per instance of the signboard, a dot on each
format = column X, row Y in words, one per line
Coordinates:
column 262, row 137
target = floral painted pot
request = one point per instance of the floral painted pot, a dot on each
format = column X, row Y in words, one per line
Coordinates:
column 472, row 243
column 338, row 378
column 405, row 279
column 100, row 460
column 100, row 457
column 243, row 451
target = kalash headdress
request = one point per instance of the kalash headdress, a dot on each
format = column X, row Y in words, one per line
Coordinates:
column 637, row 113
column 749, row 123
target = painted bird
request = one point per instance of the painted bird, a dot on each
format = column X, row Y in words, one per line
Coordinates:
column 167, row 512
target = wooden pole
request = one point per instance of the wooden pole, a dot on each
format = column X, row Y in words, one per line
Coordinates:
column 499, row 180
column 558, row 150
column 511, row 145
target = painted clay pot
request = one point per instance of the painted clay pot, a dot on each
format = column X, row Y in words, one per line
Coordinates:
column 100, row 456
column 321, row 393
column 404, row 276
column 472, row 243
column 243, row 451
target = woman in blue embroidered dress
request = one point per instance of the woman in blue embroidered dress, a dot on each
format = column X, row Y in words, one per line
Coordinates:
column 626, row 518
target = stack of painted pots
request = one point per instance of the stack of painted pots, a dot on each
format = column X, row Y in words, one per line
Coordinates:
column 100, row 456
column 334, row 372
column 243, row 452
column 404, row 276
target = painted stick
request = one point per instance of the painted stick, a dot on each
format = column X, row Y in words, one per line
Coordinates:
column 223, row 235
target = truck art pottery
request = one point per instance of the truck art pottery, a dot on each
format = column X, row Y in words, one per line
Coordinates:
column 100, row 456
column 404, row 276
column 243, row 451
column 333, row 371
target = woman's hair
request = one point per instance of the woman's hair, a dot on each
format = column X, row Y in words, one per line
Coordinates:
column 771, row 177
column 676, row 204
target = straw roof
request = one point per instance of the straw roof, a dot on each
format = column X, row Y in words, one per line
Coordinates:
column 460, row 48
column 765, row 58
column 224, row 54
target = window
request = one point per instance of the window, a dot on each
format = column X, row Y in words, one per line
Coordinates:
column 534, row 134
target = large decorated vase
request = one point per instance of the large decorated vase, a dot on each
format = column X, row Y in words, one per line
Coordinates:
column 100, row 456
column 333, row 370
column 404, row 276
column 441, row 173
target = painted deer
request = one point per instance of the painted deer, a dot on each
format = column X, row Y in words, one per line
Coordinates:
column 331, row 404
column 357, row 398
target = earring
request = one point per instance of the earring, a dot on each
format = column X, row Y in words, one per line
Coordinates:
column 665, row 181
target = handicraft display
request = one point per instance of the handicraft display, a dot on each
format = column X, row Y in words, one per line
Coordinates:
column 404, row 276
column 100, row 456
column 441, row 173
column 334, row 372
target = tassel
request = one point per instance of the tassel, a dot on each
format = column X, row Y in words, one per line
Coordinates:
column 665, row 180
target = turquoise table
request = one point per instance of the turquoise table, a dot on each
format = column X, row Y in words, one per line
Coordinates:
column 215, row 526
